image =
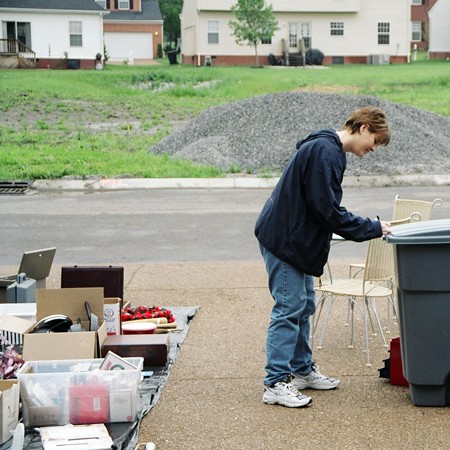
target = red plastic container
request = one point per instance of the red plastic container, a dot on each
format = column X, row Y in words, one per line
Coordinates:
column 397, row 377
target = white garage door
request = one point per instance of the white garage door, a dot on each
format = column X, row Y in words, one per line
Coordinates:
column 129, row 46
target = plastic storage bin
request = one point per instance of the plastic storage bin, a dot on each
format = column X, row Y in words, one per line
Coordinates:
column 422, row 264
column 77, row 392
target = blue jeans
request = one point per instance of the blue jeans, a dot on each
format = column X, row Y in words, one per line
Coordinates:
column 287, row 346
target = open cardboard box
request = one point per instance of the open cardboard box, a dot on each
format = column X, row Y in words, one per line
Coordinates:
column 72, row 345
column 14, row 328
column 9, row 408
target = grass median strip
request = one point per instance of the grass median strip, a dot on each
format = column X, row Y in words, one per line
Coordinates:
column 102, row 123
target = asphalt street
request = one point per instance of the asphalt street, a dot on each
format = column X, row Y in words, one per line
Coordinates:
column 195, row 247
column 164, row 225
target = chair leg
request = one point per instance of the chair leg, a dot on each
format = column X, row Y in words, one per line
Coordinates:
column 369, row 315
column 316, row 316
column 327, row 316
column 349, row 312
column 391, row 305
column 351, row 309
column 372, row 302
column 313, row 321
column 368, row 364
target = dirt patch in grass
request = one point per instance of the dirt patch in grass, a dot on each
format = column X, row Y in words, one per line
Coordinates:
column 329, row 89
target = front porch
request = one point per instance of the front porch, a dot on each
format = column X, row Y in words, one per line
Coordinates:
column 14, row 54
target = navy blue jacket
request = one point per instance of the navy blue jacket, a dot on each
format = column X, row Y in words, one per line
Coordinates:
column 297, row 221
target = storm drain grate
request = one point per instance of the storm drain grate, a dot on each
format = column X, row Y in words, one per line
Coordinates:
column 14, row 187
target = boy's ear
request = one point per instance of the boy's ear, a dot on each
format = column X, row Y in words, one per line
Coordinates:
column 362, row 128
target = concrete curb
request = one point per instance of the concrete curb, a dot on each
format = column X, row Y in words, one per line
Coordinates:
column 114, row 184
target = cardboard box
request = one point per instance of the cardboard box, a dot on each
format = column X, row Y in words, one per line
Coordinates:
column 22, row 310
column 115, row 362
column 59, row 346
column 76, row 391
column 112, row 315
column 13, row 328
column 154, row 348
column 9, row 408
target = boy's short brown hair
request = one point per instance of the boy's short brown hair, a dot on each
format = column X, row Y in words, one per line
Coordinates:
column 375, row 120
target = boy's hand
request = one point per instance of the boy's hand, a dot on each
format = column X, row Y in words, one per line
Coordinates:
column 385, row 227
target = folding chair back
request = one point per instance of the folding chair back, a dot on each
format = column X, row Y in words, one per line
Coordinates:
column 380, row 256
column 405, row 207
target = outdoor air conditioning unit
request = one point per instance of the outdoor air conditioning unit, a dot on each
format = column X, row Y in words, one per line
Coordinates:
column 208, row 60
column 378, row 59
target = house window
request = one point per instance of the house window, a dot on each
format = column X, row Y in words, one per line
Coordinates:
column 266, row 39
column 293, row 35
column 417, row 2
column 76, row 36
column 416, row 28
column 124, row 4
column 24, row 33
column 101, row 3
column 306, row 34
column 337, row 28
column 213, row 31
column 383, row 32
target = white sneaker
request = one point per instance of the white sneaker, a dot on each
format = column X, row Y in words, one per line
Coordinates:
column 283, row 393
column 314, row 380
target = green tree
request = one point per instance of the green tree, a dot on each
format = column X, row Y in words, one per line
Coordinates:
column 254, row 22
column 170, row 11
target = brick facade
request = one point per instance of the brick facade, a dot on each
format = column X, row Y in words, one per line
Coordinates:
column 419, row 13
column 229, row 60
column 61, row 63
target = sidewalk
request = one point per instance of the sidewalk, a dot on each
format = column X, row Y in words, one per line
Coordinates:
column 213, row 397
column 243, row 182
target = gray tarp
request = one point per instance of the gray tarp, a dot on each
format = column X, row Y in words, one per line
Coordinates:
column 126, row 435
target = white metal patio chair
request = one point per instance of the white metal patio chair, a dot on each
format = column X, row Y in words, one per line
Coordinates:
column 376, row 282
column 404, row 207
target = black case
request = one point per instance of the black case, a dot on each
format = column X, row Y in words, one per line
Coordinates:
column 110, row 278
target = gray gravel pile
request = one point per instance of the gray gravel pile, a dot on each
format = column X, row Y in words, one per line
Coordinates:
column 258, row 135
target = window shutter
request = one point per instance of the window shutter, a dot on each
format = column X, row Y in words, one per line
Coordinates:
column 131, row 5
column 116, row 4
column 108, row 4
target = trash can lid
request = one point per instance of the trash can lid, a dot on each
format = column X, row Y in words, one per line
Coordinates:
column 422, row 232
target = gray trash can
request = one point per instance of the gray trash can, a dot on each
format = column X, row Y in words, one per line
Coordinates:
column 422, row 264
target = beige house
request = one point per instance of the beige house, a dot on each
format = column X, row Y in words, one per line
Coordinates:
column 439, row 17
column 345, row 31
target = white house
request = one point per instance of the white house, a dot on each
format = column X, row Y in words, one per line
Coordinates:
column 345, row 31
column 60, row 33
column 439, row 17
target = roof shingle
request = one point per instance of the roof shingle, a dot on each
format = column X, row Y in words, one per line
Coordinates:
column 69, row 5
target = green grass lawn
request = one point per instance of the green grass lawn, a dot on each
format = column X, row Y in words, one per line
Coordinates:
column 102, row 123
